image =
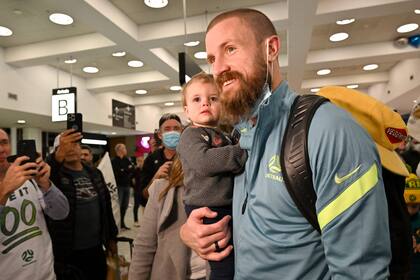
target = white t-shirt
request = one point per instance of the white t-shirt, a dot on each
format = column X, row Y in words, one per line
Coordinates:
column 25, row 244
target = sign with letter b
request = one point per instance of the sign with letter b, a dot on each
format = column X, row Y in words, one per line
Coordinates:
column 63, row 103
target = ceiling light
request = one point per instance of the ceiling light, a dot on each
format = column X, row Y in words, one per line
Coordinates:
column 315, row 89
column 345, row 21
column 17, row 12
column 141, row 91
column 200, row 55
column 407, row 27
column 370, row 67
column 156, row 3
column 21, row 121
column 135, row 63
column 175, row 88
column 118, row 54
column 417, row 11
column 352, row 86
column 337, row 37
column 61, row 19
column 323, row 72
column 192, row 43
column 169, row 104
column 113, row 133
column 70, row 61
column 94, row 141
column 4, row 31
column 90, row 69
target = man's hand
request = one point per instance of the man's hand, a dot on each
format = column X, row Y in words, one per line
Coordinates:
column 201, row 238
column 163, row 171
column 15, row 176
column 67, row 140
column 43, row 176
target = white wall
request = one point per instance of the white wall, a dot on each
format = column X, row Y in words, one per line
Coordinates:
column 399, row 83
column 147, row 117
column 33, row 86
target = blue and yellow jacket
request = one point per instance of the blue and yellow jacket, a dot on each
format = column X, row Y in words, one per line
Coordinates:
column 272, row 240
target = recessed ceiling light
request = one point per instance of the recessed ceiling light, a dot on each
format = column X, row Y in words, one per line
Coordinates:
column 337, row 37
column 61, row 19
column 90, row 69
column 352, row 86
column 200, row 55
column 17, row 12
column 315, row 89
column 118, row 54
column 417, row 11
column 407, row 27
column 345, row 21
column 113, row 133
column 370, row 67
column 156, row 3
column 323, row 72
column 141, row 91
column 175, row 88
column 21, row 121
column 135, row 63
column 70, row 61
column 169, row 104
column 4, row 31
column 192, row 43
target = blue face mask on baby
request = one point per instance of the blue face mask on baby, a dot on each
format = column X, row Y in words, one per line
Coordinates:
column 171, row 139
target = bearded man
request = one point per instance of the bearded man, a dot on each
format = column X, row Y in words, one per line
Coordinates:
column 271, row 237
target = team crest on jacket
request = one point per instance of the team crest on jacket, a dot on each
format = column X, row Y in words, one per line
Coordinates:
column 274, row 169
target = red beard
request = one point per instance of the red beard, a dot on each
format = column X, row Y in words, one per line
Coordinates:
column 237, row 105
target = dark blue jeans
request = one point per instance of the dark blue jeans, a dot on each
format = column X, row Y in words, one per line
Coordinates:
column 123, row 197
column 224, row 269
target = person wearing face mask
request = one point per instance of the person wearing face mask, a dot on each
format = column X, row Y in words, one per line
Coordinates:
column 158, row 163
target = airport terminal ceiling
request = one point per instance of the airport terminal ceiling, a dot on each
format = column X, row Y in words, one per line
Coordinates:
column 146, row 41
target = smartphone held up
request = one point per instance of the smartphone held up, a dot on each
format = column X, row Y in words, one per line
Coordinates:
column 25, row 148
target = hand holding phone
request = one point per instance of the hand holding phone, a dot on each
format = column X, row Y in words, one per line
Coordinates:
column 68, row 139
column 17, row 174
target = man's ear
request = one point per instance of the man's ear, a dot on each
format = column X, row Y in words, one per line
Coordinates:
column 273, row 47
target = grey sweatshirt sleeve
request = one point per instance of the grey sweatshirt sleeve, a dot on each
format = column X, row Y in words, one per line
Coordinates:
column 56, row 204
column 196, row 151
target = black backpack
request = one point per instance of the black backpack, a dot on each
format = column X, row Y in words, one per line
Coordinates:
column 297, row 175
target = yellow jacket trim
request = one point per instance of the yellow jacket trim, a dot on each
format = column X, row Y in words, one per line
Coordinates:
column 349, row 197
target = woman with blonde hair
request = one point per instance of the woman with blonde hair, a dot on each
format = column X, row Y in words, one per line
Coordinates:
column 159, row 252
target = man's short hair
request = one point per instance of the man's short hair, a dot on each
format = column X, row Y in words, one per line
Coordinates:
column 118, row 147
column 168, row 116
column 259, row 23
column 86, row 147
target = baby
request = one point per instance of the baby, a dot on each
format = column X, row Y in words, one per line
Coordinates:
column 209, row 160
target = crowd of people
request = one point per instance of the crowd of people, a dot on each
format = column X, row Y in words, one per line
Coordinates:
column 217, row 206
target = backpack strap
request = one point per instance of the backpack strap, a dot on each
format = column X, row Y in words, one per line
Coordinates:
column 294, row 158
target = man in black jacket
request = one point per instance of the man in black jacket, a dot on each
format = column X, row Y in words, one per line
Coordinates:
column 124, row 172
column 78, row 240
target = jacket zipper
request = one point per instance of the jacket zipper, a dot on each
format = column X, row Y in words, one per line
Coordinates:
column 244, row 204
